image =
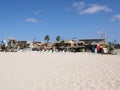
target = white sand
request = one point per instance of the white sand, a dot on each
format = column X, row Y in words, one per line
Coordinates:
column 59, row 71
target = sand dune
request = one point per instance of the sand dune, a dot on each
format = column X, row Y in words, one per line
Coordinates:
column 59, row 71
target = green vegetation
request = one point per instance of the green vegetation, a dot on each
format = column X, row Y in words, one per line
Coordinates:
column 47, row 38
column 58, row 38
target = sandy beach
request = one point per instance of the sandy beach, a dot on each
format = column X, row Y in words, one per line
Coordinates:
column 59, row 71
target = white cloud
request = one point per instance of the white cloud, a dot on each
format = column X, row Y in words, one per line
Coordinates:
column 37, row 12
column 100, row 32
column 115, row 17
column 82, row 8
column 95, row 9
column 78, row 5
column 32, row 20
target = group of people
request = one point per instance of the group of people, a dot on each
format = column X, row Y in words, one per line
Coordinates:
column 99, row 49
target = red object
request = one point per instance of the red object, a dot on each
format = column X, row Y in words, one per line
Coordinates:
column 98, row 48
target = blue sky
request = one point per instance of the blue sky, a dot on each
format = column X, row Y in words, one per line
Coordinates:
column 33, row 19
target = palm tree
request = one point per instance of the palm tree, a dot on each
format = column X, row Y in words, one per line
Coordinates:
column 58, row 38
column 47, row 38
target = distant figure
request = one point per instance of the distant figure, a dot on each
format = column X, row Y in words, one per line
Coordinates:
column 4, row 45
column 98, row 48
column 101, row 50
column 95, row 51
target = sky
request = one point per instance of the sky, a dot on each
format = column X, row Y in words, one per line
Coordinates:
column 80, row 19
